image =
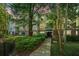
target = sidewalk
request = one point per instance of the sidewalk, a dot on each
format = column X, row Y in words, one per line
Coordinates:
column 44, row 49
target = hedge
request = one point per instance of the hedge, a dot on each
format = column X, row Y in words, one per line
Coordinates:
column 72, row 38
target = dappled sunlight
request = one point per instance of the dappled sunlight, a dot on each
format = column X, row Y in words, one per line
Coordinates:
column 39, row 29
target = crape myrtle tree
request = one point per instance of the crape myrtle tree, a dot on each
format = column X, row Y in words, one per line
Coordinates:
column 65, row 12
column 59, row 17
column 56, row 18
column 59, row 28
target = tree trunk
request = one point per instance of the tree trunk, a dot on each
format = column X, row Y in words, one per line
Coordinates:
column 38, row 23
column 78, row 32
column 60, row 30
column 66, row 17
column 73, row 31
column 30, row 19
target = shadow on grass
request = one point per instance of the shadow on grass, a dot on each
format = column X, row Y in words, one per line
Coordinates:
column 70, row 49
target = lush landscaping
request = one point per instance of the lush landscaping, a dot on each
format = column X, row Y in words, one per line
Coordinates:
column 28, row 43
column 21, row 25
column 23, row 43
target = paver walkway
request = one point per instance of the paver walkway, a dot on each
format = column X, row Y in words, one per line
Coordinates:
column 44, row 49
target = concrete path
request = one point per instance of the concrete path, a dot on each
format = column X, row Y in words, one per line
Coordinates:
column 44, row 49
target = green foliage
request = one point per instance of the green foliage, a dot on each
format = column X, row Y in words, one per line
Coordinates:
column 28, row 43
column 70, row 49
column 3, row 20
column 55, row 50
column 25, row 43
column 21, row 11
column 72, row 11
column 72, row 38
column 51, row 17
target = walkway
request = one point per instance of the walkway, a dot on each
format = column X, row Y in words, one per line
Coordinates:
column 44, row 49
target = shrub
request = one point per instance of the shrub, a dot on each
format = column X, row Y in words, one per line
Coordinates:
column 72, row 38
column 23, row 43
column 28, row 43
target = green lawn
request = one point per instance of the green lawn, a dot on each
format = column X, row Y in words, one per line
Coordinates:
column 70, row 49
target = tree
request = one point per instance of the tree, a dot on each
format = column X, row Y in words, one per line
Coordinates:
column 41, row 10
column 24, row 9
column 59, row 27
column 30, row 10
column 3, row 20
column 31, row 7
column 72, row 16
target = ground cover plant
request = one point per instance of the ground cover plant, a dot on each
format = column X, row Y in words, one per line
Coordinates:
column 23, row 43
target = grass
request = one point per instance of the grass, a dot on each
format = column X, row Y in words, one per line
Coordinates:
column 70, row 49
